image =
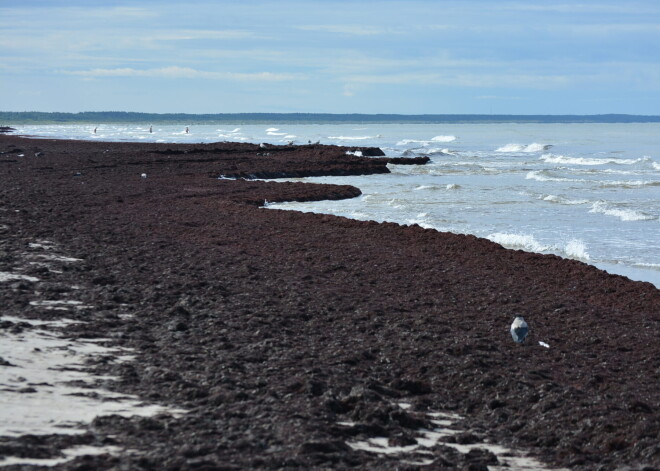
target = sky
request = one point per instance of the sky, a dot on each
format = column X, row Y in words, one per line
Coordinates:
column 331, row 56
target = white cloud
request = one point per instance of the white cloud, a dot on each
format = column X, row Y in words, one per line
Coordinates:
column 185, row 73
column 606, row 29
column 598, row 7
column 465, row 80
column 354, row 30
column 188, row 34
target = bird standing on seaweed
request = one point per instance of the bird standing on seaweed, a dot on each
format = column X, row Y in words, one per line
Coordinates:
column 519, row 329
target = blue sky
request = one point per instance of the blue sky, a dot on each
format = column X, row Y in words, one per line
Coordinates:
column 334, row 56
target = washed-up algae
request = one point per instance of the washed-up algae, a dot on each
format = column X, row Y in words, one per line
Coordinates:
column 272, row 327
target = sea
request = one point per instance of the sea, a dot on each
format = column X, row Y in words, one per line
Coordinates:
column 584, row 191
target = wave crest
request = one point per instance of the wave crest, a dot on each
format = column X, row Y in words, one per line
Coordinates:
column 444, row 138
column 623, row 214
column 533, row 147
column 562, row 159
column 574, row 248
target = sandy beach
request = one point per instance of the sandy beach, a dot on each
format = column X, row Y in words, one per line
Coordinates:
column 294, row 340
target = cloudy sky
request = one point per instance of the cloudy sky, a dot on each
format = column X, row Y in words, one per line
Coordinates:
column 335, row 56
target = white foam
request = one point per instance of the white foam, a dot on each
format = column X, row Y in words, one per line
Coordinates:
column 436, row 151
column 352, row 138
column 444, row 138
column 574, row 248
column 623, row 214
column 357, row 153
column 629, row 183
column 562, row 200
column 405, row 142
column 562, row 159
column 533, row 147
column 652, row 266
column 544, row 176
column 518, row 241
column 577, row 249
column 272, row 130
column 421, row 221
column 452, row 186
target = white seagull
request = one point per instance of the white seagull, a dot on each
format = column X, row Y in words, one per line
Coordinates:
column 519, row 329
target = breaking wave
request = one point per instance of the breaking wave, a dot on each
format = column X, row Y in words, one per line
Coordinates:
column 426, row 142
column 353, row 138
column 518, row 241
column 623, row 214
column 545, row 176
column 444, row 138
column 562, row 200
column 629, row 183
column 534, row 147
column 562, row 159
column 574, row 248
column 652, row 266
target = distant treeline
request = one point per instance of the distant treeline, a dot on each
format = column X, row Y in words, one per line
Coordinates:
column 104, row 117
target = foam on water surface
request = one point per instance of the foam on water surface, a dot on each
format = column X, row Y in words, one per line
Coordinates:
column 621, row 213
column 527, row 148
column 561, row 159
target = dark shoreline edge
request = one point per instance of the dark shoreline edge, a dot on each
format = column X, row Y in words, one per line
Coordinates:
column 272, row 326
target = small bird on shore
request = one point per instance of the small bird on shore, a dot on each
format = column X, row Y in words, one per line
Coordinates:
column 519, row 329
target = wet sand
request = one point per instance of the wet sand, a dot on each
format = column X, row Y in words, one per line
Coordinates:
column 289, row 336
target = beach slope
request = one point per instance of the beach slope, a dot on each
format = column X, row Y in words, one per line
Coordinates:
column 291, row 337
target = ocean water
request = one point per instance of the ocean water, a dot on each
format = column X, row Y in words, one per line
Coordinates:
column 589, row 192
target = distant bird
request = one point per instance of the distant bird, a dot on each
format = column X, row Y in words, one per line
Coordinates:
column 144, row 175
column 262, row 145
column 519, row 329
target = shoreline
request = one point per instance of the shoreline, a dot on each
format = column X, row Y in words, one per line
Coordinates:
column 272, row 327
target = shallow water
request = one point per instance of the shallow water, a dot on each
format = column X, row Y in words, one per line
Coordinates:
column 590, row 192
